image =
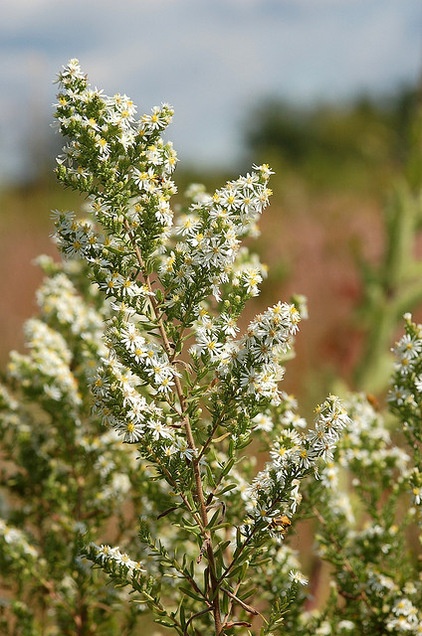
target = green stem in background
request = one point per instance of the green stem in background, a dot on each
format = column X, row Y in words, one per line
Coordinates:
column 395, row 286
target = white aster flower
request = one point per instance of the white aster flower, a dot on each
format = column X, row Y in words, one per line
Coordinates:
column 297, row 577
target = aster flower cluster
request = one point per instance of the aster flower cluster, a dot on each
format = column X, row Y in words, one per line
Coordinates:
column 115, row 562
column 362, row 536
column 125, row 167
column 210, row 232
column 49, row 437
column 123, row 407
column 254, row 364
column 407, row 382
column 47, row 366
column 406, row 386
column 367, row 450
column 18, row 547
column 274, row 495
column 405, row 398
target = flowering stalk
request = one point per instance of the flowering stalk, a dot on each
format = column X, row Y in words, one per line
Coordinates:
column 177, row 381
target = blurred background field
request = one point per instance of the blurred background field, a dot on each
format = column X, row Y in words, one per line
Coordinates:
column 335, row 166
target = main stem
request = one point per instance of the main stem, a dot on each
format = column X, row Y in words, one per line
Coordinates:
column 199, row 492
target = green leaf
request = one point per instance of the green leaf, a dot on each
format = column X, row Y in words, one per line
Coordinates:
column 227, row 468
column 188, row 591
column 182, row 615
column 210, row 476
column 166, row 622
column 225, row 489
column 213, row 522
column 222, row 546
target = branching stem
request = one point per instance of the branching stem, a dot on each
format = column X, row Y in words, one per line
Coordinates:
column 199, row 491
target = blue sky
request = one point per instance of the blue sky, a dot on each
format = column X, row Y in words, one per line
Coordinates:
column 213, row 60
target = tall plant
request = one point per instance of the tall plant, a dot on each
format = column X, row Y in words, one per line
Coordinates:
column 140, row 397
